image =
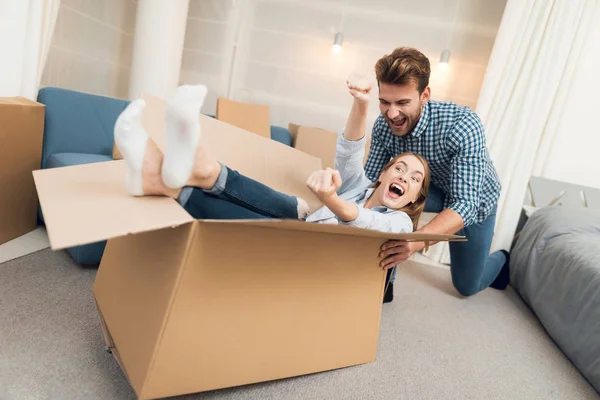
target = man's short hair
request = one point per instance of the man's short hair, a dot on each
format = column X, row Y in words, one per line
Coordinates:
column 404, row 65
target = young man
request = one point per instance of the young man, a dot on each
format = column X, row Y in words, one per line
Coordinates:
column 464, row 184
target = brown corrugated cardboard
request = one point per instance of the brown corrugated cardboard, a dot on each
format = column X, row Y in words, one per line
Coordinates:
column 320, row 143
column 258, row 314
column 89, row 203
column 250, row 117
column 190, row 306
column 21, row 135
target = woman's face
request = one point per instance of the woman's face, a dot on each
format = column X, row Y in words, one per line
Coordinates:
column 400, row 184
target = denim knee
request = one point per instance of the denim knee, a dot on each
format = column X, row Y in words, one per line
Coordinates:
column 466, row 287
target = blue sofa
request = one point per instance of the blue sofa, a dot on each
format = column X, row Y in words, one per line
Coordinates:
column 78, row 129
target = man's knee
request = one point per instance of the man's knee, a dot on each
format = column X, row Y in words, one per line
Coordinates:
column 466, row 287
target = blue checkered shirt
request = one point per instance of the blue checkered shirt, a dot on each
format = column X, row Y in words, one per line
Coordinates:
column 451, row 138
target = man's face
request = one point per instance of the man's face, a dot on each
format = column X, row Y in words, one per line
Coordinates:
column 401, row 106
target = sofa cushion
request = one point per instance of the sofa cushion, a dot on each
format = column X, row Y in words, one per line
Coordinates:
column 68, row 159
column 77, row 122
column 282, row 135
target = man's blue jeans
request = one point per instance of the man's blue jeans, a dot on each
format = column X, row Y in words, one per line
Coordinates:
column 472, row 266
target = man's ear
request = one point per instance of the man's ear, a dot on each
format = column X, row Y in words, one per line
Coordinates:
column 426, row 95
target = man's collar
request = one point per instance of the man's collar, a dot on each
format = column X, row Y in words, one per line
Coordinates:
column 423, row 121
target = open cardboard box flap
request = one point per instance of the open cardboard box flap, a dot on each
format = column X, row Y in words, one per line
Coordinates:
column 89, row 203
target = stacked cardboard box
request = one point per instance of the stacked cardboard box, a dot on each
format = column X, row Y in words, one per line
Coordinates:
column 21, row 135
column 251, row 117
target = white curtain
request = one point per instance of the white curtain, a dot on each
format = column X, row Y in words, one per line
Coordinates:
column 528, row 80
column 26, row 28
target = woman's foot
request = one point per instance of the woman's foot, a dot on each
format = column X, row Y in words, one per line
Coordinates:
column 205, row 171
column 187, row 161
column 144, row 160
column 131, row 140
column 182, row 130
column 152, row 182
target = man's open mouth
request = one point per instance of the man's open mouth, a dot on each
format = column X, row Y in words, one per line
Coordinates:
column 396, row 190
column 400, row 124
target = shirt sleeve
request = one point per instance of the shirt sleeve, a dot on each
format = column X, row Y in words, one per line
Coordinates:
column 349, row 162
column 378, row 153
column 396, row 222
column 467, row 172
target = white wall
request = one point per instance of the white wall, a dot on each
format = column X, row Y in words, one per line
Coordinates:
column 575, row 154
column 92, row 46
column 284, row 56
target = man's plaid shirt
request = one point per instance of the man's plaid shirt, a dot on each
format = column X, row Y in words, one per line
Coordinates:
column 451, row 138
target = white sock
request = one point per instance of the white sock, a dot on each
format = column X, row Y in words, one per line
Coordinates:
column 131, row 140
column 303, row 208
column 182, row 129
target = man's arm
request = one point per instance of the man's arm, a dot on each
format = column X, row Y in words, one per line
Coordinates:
column 393, row 252
column 447, row 222
column 467, row 173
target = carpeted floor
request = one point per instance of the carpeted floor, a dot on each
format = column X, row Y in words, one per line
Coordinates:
column 433, row 345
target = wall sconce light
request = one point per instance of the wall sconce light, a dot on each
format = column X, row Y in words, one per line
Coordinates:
column 337, row 42
column 445, row 57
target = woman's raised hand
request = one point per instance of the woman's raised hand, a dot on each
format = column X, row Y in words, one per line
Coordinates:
column 360, row 87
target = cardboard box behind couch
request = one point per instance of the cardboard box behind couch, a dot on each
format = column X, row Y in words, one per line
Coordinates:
column 251, row 117
column 319, row 143
column 21, row 135
column 194, row 305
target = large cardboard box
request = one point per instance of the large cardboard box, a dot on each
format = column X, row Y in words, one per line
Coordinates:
column 21, row 135
column 320, row 143
column 193, row 305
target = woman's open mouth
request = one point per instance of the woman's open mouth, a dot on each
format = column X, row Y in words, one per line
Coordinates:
column 395, row 191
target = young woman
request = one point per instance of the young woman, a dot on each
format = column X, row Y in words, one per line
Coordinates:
column 208, row 189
